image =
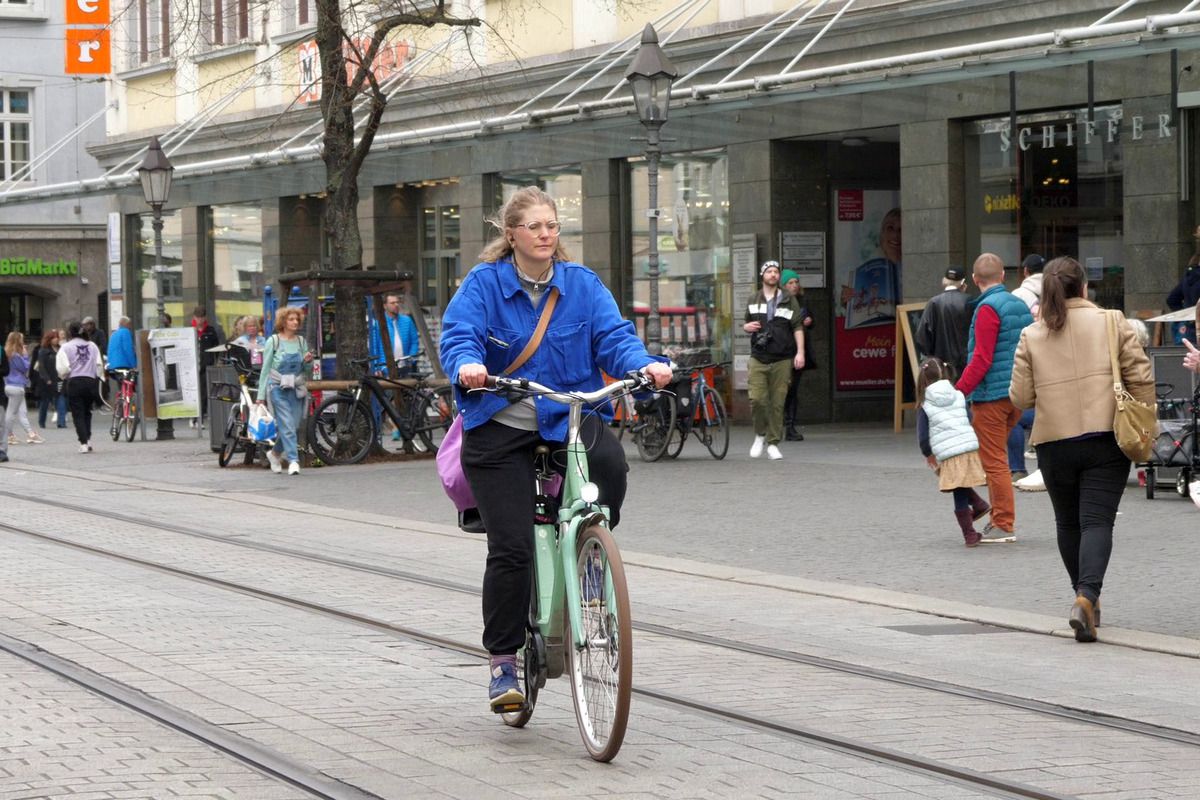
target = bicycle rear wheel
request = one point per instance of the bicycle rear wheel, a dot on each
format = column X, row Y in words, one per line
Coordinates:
column 341, row 431
column 118, row 415
column 433, row 417
column 602, row 670
column 713, row 424
column 652, row 432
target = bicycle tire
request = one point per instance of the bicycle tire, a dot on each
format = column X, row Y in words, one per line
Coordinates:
column 676, row 441
column 342, row 430
column 229, row 445
column 114, row 429
column 131, row 421
column 433, row 416
column 714, row 432
column 652, row 433
column 602, row 670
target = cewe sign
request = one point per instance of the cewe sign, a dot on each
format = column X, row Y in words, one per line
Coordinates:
column 88, row 43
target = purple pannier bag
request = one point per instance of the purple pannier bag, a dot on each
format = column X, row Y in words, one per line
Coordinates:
column 449, row 467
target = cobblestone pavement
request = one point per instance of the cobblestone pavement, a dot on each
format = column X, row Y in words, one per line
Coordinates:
column 402, row 719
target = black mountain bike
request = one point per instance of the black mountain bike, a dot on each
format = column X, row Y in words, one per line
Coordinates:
column 344, row 427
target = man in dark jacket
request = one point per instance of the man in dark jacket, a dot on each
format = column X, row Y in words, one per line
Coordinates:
column 942, row 331
column 776, row 329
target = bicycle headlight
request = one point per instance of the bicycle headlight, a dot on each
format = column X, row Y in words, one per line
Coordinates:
column 589, row 492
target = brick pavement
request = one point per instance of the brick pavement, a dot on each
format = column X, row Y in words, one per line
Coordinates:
column 716, row 600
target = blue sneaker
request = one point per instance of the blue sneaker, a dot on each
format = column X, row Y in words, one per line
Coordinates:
column 395, row 435
column 505, row 690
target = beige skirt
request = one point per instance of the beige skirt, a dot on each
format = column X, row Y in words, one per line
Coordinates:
column 961, row 472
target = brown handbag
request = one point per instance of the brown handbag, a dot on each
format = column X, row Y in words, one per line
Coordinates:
column 1135, row 424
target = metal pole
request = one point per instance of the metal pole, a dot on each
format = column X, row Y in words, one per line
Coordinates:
column 165, row 427
column 653, row 321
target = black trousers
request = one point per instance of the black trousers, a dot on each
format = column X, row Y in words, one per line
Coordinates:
column 1085, row 479
column 789, row 404
column 82, row 394
column 498, row 462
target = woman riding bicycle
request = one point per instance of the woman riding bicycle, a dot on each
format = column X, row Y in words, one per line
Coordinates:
column 486, row 325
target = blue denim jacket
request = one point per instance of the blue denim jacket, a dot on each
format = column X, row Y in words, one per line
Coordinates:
column 491, row 318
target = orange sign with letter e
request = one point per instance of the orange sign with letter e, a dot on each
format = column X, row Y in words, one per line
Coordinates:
column 88, row 51
column 88, row 12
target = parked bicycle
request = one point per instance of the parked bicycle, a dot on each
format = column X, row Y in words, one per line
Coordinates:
column 344, row 427
column 701, row 411
column 237, row 427
column 649, row 422
column 579, row 615
column 124, row 407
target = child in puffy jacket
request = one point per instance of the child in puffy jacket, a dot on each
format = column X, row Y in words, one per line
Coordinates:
column 949, row 444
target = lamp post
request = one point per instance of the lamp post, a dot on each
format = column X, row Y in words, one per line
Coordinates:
column 155, row 172
column 650, row 76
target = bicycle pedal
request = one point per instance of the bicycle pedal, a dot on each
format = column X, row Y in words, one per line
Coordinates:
column 508, row 708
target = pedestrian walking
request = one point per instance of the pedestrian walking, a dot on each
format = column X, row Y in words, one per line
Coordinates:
column 15, row 384
column 946, row 321
column 282, row 385
column 776, row 330
column 78, row 362
column 3, row 417
column 791, row 410
column 526, row 286
column 1029, row 292
column 50, row 392
column 995, row 330
column 950, row 445
column 1063, row 369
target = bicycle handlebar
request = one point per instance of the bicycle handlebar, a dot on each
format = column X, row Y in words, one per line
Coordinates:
column 688, row 370
column 635, row 382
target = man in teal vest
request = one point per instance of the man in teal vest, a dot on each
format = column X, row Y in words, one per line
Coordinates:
column 996, row 329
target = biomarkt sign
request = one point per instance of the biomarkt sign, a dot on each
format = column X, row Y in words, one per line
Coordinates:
column 1048, row 137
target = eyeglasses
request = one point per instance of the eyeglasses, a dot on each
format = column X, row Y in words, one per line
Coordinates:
column 536, row 227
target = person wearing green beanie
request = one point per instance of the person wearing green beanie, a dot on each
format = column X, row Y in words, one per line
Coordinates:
column 790, row 281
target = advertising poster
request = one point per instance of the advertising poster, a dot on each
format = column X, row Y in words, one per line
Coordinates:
column 867, row 254
column 176, row 372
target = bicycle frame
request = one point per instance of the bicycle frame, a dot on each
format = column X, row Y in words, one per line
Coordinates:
column 374, row 386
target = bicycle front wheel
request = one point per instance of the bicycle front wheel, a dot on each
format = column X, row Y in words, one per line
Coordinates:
column 602, row 670
column 234, row 430
column 131, row 419
column 117, row 418
column 341, row 431
column 652, row 432
column 713, row 424
column 433, row 417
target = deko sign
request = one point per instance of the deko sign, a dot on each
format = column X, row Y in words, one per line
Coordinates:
column 89, row 49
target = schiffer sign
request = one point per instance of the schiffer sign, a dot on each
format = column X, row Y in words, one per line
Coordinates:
column 1046, row 137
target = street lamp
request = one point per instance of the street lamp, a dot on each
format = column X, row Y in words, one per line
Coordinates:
column 650, row 76
column 155, row 172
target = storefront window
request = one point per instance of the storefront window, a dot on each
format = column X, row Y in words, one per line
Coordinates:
column 695, row 285
column 235, row 239
column 172, row 276
column 1054, row 187
column 565, row 185
column 441, row 265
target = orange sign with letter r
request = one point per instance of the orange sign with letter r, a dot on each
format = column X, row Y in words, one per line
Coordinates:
column 89, row 51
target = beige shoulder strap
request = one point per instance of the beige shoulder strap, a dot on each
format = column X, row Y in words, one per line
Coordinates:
column 538, row 333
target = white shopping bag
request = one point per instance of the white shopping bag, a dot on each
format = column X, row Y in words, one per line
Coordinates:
column 261, row 427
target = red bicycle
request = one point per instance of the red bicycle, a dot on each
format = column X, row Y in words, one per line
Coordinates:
column 124, row 408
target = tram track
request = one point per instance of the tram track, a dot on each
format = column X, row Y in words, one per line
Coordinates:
column 1073, row 714
column 303, row 777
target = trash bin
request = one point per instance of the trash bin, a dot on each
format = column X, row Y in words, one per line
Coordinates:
column 218, row 409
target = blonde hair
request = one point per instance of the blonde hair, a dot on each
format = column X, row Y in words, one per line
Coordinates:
column 283, row 313
column 15, row 343
column 509, row 216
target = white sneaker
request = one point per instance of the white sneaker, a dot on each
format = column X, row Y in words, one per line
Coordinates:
column 756, row 449
column 1031, row 453
column 83, row 448
column 773, row 452
column 293, row 468
column 1033, row 482
column 273, row 459
column 89, row 447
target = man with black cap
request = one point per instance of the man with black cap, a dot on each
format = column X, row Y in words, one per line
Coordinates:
column 942, row 331
column 1030, row 289
column 776, row 329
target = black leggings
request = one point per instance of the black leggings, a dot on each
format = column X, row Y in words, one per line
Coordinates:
column 1085, row 479
column 498, row 462
column 82, row 393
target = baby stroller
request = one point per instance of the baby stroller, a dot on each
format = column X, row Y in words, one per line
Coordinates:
column 1176, row 446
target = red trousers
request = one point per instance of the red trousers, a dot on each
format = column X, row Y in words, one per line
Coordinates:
column 992, row 421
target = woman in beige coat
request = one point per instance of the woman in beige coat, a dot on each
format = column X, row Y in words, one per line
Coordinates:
column 1062, row 369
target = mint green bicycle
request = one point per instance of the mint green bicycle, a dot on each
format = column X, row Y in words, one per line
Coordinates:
column 579, row 617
